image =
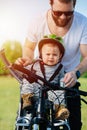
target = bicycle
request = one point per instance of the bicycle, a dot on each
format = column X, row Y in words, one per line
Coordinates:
column 44, row 113
column 42, row 116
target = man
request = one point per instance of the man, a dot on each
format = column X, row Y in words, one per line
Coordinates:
column 62, row 20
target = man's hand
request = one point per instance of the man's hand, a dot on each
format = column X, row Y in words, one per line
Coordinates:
column 23, row 61
column 70, row 79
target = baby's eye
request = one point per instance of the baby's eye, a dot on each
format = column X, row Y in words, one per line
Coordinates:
column 54, row 54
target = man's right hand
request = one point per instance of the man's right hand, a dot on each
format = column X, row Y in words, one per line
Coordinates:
column 23, row 61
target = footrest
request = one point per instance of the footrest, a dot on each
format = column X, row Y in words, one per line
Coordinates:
column 23, row 121
column 62, row 123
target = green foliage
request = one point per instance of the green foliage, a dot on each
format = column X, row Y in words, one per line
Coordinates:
column 84, row 75
column 13, row 50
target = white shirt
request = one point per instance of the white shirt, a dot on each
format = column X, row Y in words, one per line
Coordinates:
column 76, row 35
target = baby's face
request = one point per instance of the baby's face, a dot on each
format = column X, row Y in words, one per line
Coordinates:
column 50, row 54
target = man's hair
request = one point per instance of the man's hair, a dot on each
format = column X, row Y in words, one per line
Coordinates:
column 64, row 1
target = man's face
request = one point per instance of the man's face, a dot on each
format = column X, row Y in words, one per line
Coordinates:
column 62, row 12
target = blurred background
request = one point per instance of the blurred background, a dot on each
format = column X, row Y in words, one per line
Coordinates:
column 15, row 16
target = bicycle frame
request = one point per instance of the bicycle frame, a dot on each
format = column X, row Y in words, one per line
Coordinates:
column 59, row 125
column 44, row 116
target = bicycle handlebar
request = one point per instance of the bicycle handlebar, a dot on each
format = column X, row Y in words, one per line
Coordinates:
column 35, row 78
column 7, row 64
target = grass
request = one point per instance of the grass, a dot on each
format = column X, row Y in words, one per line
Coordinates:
column 9, row 100
column 83, row 82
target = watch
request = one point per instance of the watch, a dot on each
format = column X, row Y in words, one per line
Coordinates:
column 78, row 74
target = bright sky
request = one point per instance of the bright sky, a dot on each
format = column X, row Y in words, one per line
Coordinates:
column 15, row 16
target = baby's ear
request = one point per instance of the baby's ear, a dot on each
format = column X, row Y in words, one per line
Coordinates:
column 60, row 57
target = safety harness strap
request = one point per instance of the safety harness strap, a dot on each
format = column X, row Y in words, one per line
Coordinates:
column 54, row 74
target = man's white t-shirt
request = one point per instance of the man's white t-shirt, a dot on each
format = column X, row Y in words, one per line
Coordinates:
column 76, row 35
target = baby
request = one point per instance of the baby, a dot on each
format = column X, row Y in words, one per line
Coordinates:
column 49, row 67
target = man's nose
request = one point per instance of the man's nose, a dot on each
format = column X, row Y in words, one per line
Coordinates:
column 63, row 16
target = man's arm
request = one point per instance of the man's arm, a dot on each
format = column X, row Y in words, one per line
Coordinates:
column 82, row 67
column 28, row 50
column 28, row 53
column 70, row 77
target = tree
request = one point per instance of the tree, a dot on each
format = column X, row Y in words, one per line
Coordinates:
column 13, row 50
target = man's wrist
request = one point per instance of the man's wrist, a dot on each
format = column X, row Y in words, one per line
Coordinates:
column 78, row 74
